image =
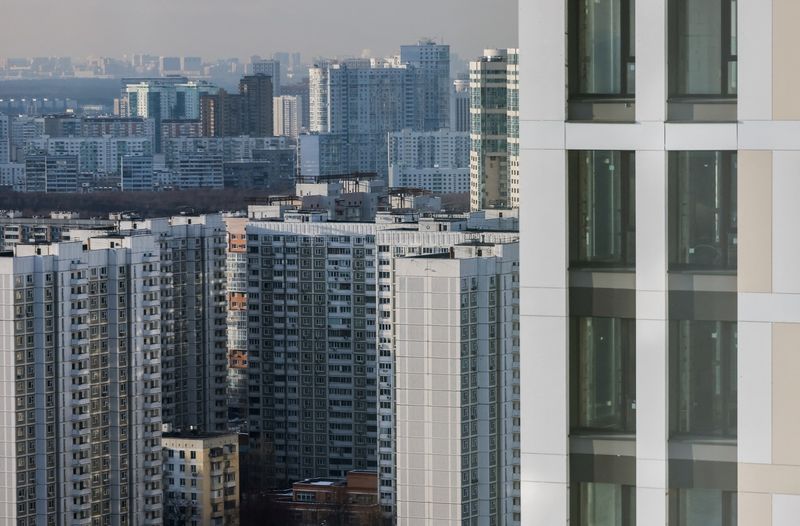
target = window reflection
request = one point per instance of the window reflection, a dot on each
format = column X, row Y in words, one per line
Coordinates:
column 602, row 208
column 702, row 43
column 703, row 378
column 603, row 374
column 703, row 210
column 602, row 49
column 702, row 507
column 603, row 504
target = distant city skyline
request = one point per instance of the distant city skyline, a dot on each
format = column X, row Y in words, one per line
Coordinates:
column 253, row 27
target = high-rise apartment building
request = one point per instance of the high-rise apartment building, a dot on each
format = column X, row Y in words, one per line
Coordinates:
column 164, row 98
column 288, row 115
column 322, row 154
column 236, row 284
column 12, row 176
column 437, row 161
column 97, row 155
column 660, row 357
column 136, row 174
column 431, row 63
column 459, row 106
column 51, row 173
column 412, row 239
column 271, row 68
column 456, row 392
column 5, row 139
column 311, row 347
column 83, row 423
column 493, row 115
column 221, row 114
column 256, row 95
column 363, row 101
column 193, row 313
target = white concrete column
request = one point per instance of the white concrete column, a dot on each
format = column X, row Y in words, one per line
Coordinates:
column 651, row 338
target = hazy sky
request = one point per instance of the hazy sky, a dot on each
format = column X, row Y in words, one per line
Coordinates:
column 240, row 28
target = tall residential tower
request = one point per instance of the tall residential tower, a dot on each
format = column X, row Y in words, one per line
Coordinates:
column 660, row 290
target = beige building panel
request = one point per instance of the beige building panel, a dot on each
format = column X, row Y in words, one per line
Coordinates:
column 769, row 478
column 755, row 221
column 755, row 509
column 785, row 393
column 785, row 60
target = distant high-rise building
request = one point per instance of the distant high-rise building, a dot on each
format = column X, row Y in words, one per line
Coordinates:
column 98, row 155
column 221, row 114
column 199, row 169
column 300, row 89
column 271, row 68
column 118, row 127
column 363, row 101
column 12, row 176
column 171, row 129
column 491, row 118
column 136, row 173
column 321, row 154
column 63, row 125
column 256, row 94
column 5, row 139
column 432, row 160
column 170, row 65
column 431, row 63
column 288, row 116
column 459, row 106
column 192, row 65
column 51, row 173
column 162, row 99
column 83, row 423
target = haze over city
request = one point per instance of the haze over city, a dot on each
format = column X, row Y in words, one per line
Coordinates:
column 205, row 27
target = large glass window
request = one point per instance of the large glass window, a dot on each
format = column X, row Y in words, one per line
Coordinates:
column 702, row 507
column 602, row 208
column 703, row 378
column 601, row 58
column 602, row 504
column 603, row 374
column 702, row 210
column 702, row 38
column 603, row 47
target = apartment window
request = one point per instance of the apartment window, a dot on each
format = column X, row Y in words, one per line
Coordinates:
column 703, row 378
column 702, row 507
column 602, row 504
column 602, row 208
column 702, row 210
column 602, row 70
column 702, row 60
column 603, row 374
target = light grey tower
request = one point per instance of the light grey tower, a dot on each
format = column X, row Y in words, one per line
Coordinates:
column 431, row 62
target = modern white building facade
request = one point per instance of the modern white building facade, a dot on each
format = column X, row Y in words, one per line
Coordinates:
column 457, row 385
column 660, row 314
